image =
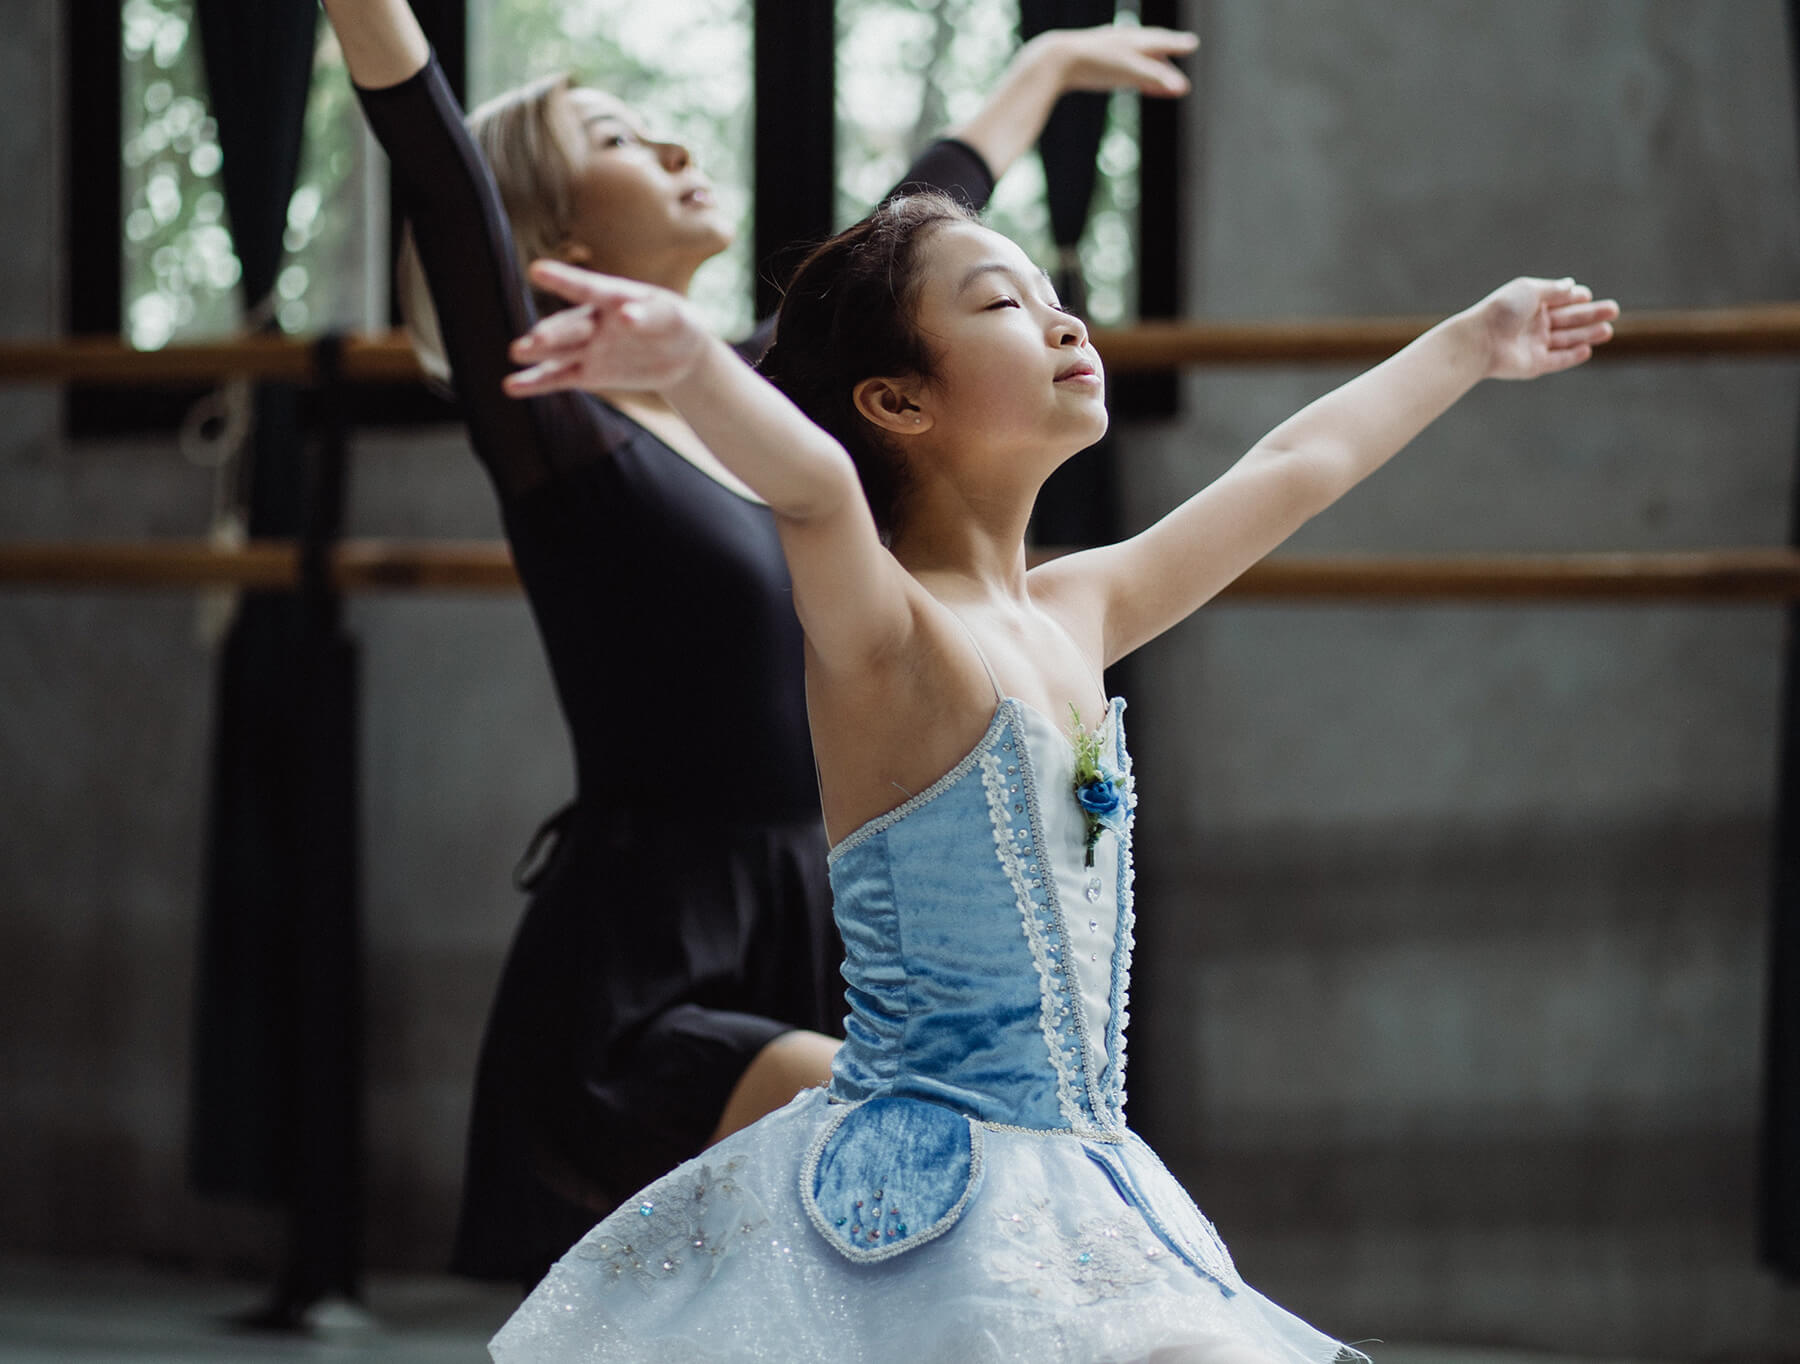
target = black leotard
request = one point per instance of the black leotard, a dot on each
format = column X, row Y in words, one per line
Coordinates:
column 683, row 920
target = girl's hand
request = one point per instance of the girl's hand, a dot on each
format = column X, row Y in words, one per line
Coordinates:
column 1113, row 58
column 1540, row 326
column 622, row 335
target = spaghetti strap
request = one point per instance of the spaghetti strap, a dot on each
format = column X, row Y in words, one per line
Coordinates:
column 999, row 695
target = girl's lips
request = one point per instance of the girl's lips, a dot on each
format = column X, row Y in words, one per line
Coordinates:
column 1076, row 373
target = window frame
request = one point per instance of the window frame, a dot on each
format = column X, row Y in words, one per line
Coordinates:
column 793, row 182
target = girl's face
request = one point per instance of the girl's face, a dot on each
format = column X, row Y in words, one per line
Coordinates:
column 1015, row 373
column 642, row 209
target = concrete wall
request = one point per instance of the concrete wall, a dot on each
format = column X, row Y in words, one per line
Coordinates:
column 1452, row 918
column 1455, row 917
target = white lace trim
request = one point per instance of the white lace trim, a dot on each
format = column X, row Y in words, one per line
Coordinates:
column 1113, row 1087
column 1006, row 849
column 1112, row 1138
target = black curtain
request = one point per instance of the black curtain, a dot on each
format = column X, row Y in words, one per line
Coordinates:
column 276, row 1092
column 1080, row 503
column 1070, row 145
column 795, row 138
column 1780, row 1203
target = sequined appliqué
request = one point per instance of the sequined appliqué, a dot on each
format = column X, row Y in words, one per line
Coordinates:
column 677, row 1229
column 1104, row 1258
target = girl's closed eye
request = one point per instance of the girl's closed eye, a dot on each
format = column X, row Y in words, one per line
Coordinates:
column 1003, row 303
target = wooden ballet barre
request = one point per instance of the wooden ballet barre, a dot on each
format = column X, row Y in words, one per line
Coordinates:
column 1761, row 329
column 356, row 565
column 371, row 358
column 1723, row 577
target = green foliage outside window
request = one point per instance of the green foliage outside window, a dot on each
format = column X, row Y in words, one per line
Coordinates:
column 907, row 69
column 180, row 271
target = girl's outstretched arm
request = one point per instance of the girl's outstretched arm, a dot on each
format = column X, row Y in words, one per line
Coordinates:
column 853, row 599
column 382, row 41
column 1142, row 586
column 1051, row 65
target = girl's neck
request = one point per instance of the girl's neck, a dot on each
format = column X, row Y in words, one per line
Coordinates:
column 973, row 552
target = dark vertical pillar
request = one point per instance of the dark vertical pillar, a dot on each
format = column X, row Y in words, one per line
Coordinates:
column 277, row 1080
column 1161, row 231
column 93, row 114
column 796, row 137
column 1070, row 143
column 325, row 1226
column 1780, row 1202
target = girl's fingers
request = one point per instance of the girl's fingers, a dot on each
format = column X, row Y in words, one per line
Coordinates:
column 541, row 378
column 571, row 327
column 565, row 281
column 1159, row 78
column 1170, row 42
column 1580, row 314
column 1568, row 338
column 583, row 286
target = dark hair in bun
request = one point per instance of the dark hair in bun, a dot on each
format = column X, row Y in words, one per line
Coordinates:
column 848, row 316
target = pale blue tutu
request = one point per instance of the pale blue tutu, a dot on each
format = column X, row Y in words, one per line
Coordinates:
column 967, row 1190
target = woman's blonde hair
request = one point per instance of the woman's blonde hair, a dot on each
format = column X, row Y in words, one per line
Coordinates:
column 519, row 136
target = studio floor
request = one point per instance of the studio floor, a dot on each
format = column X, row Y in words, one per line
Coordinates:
column 78, row 1312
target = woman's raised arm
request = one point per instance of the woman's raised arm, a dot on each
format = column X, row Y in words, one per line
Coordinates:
column 382, row 41
column 1053, row 64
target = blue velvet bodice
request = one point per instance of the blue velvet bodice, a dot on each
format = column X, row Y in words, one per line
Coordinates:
column 987, row 965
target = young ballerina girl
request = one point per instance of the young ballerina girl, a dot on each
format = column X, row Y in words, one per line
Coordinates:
column 674, row 977
column 966, row 1188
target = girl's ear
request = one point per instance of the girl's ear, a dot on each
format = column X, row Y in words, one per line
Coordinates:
column 885, row 402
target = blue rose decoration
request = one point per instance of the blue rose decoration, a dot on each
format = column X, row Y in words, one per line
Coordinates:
column 1101, row 798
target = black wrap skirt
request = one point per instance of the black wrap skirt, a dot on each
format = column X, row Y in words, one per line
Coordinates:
column 655, row 958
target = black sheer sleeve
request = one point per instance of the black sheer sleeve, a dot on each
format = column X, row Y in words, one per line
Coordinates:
column 949, row 165
column 952, row 166
column 466, row 246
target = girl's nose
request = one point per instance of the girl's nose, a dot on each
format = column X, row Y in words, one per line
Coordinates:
column 675, row 157
column 1071, row 330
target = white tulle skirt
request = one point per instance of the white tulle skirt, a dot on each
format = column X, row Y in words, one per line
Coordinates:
column 718, row 1261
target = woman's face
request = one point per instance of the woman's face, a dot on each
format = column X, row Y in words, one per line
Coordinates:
column 642, row 209
column 1015, row 373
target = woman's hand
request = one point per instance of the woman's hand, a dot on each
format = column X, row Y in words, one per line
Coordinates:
column 1541, row 326
column 1111, row 57
column 622, row 335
